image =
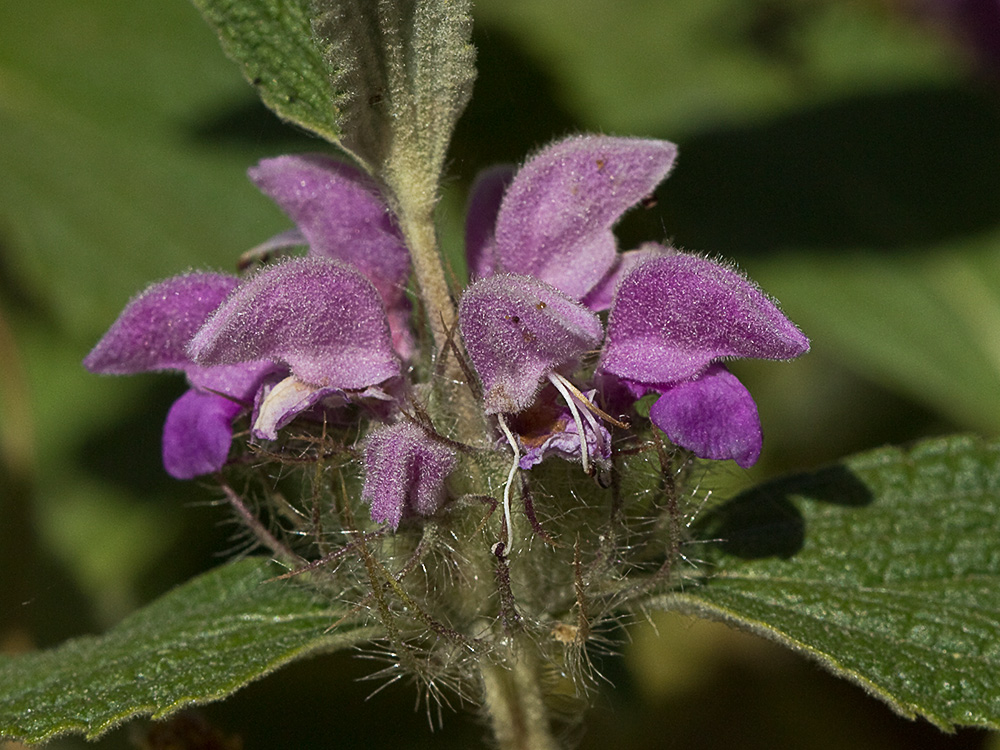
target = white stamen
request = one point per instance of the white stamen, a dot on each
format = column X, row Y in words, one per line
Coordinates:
column 558, row 381
column 510, row 479
column 591, row 407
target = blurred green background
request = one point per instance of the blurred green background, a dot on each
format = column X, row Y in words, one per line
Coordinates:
column 840, row 151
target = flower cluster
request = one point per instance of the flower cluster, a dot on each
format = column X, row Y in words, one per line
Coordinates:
column 304, row 337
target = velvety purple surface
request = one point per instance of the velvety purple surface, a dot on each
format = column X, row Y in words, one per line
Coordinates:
column 153, row 331
column 481, row 218
column 556, row 217
column 675, row 315
column 321, row 318
column 197, row 434
column 340, row 213
column 405, row 472
column 713, row 416
column 518, row 329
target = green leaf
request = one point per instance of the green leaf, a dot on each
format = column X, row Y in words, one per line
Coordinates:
column 273, row 43
column 116, row 175
column 199, row 643
column 408, row 68
column 885, row 568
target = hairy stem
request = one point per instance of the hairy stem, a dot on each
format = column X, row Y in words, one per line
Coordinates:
column 421, row 238
column 515, row 701
column 417, row 223
column 281, row 552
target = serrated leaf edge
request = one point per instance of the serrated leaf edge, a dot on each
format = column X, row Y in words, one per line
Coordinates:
column 689, row 604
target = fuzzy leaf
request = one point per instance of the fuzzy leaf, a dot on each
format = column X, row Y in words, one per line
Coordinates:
column 272, row 42
column 408, row 67
column 197, row 644
column 885, row 568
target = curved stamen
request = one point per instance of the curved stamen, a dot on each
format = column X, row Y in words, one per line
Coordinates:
column 510, row 478
column 591, row 406
column 560, row 383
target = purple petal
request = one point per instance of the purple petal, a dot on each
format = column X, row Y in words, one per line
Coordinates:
column 341, row 214
column 675, row 315
column 154, row 329
column 398, row 316
column 405, row 472
column 321, row 318
column 556, row 218
column 280, row 403
column 197, row 434
column 601, row 296
column 481, row 218
column 239, row 381
column 548, row 429
column 713, row 417
column 517, row 330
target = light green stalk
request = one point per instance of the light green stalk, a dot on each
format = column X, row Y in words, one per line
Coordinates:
column 515, row 701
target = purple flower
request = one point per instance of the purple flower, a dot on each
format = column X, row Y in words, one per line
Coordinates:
column 152, row 334
column 318, row 322
column 673, row 316
column 321, row 319
column 405, row 470
column 673, row 319
column 308, row 335
column 541, row 245
column 340, row 214
column 554, row 220
column 330, row 325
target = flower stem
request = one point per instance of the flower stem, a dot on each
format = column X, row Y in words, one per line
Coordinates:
column 515, row 702
column 421, row 238
column 416, row 221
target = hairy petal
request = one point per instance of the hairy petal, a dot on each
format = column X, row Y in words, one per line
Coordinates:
column 548, row 429
column 713, row 416
column 517, row 330
column 556, row 218
column 322, row 319
column 197, row 434
column 674, row 315
column 153, row 331
column 601, row 296
column 340, row 213
column 280, row 403
column 405, row 472
column 481, row 218
column 239, row 381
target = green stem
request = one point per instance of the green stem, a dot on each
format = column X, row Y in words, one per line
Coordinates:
column 515, row 701
column 417, row 223
column 416, row 220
